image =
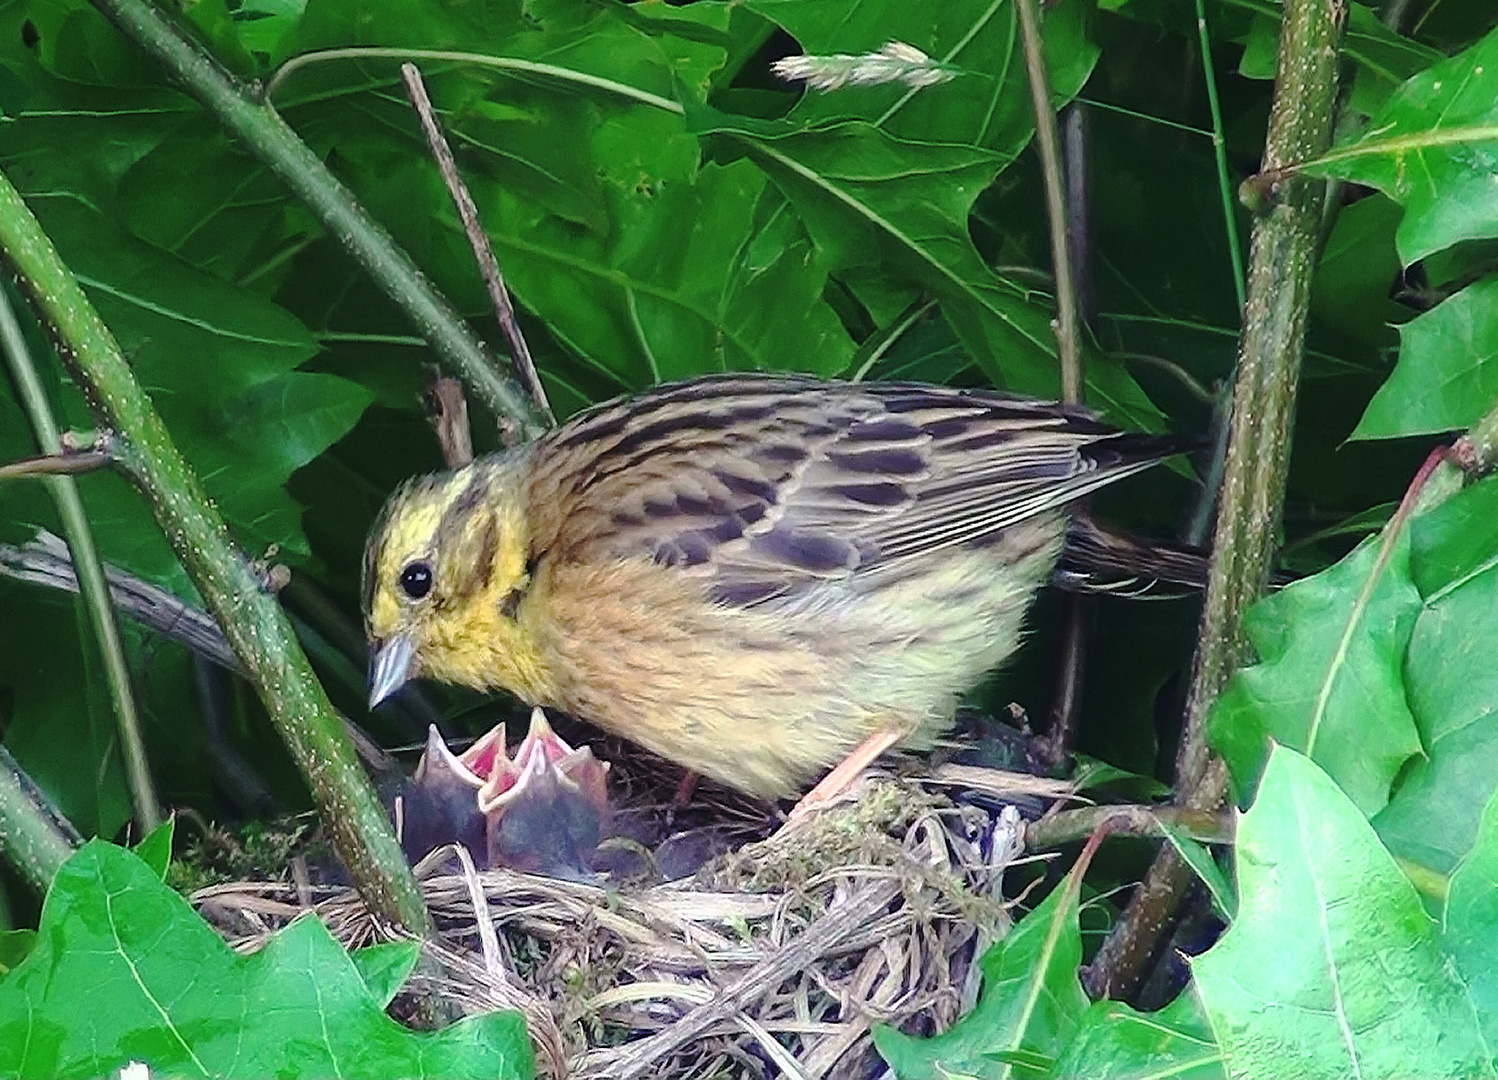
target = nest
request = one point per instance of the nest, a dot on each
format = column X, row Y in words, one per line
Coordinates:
column 775, row 959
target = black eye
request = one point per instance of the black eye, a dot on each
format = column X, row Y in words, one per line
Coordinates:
column 416, row 580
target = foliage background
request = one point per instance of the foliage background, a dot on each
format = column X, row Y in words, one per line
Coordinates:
column 737, row 223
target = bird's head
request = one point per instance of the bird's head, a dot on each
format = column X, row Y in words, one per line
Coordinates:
column 445, row 574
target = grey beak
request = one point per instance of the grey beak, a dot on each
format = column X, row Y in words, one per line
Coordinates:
column 389, row 668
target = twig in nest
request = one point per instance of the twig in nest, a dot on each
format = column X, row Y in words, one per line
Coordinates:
column 520, row 353
column 447, row 409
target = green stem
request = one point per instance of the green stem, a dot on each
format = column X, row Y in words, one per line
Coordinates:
column 34, row 838
column 1068, row 316
column 253, row 622
column 1281, row 264
column 92, row 586
column 260, row 128
column 1219, row 149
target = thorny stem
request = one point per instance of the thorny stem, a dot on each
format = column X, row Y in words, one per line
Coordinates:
column 93, row 589
column 1282, row 261
column 251, row 619
column 262, row 131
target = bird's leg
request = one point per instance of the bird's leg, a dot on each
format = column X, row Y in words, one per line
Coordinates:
column 841, row 778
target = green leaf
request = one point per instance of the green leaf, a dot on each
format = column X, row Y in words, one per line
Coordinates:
column 1447, row 375
column 1470, row 922
column 15, row 947
column 1451, row 683
column 1116, row 1042
column 163, row 988
column 714, row 275
column 1031, row 1003
column 1198, row 856
column 1332, row 968
column 156, row 849
column 869, row 198
column 385, row 967
column 1434, row 150
column 1330, row 682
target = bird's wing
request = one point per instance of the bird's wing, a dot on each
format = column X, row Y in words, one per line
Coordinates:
column 770, row 483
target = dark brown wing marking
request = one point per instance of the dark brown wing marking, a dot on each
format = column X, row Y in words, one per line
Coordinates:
column 770, row 483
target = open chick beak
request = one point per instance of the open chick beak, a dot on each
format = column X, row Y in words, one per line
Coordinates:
column 440, row 805
column 390, row 667
column 547, row 808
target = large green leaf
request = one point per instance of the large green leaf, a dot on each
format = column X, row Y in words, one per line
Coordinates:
column 712, row 275
column 1447, row 375
column 1332, row 968
column 1470, row 923
column 124, row 970
column 1451, row 683
column 1329, row 682
column 871, row 199
column 1116, row 1042
column 1433, row 149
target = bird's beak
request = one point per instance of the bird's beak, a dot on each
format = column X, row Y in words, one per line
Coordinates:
column 390, row 667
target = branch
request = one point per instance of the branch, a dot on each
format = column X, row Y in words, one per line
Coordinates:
column 483, row 253
column 262, row 131
column 1069, row 826
column 34, row 837
column 85, row 556
column 1282, row 261
column 251, row 619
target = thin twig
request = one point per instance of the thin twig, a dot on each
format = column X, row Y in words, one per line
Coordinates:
column 1068, row 325
column 94, row 590
column 447, row 409
column 483, row 253
column 62, row 463
column 1219, row 151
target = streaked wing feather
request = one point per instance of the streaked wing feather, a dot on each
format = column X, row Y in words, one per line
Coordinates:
column 770, row 483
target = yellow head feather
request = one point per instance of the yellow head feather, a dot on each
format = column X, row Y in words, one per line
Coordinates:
column 447, row 570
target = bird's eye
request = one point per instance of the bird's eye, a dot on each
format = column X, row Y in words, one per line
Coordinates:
column 416, row 580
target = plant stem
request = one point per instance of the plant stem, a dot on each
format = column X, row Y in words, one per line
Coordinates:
column 1220, row 151
column 262, row 131
column 253, row 622
column 34, row 838
column 1068, row 324
column 1069, row 826
column 483, row 252
column 93, row 589
column 1282, row 262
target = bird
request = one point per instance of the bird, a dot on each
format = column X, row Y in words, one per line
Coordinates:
column 756, row 576
column 543, row 811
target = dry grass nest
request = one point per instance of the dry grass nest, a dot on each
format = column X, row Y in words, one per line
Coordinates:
column 775, row 958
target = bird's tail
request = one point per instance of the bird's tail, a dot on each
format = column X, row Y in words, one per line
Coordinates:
column 1100, row 560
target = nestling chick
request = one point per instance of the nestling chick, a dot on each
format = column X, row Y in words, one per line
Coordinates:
column 544, row 811
column 750, row 575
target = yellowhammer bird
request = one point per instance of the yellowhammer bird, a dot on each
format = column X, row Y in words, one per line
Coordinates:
column 751, row 575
